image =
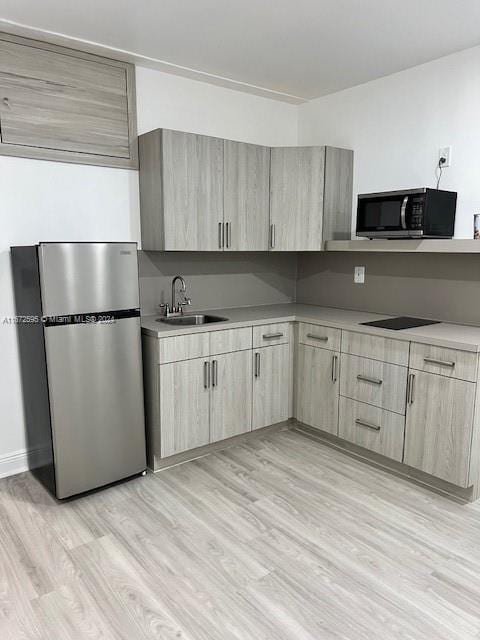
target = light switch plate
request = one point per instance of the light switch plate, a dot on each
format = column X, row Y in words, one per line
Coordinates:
column 359, row 275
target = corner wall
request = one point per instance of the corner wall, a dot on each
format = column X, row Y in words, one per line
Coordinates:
column 397, row 124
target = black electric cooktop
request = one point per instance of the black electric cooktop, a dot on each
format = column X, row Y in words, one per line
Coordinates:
column 402, row 322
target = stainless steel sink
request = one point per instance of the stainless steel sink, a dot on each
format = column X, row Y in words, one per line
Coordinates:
column 192, row 319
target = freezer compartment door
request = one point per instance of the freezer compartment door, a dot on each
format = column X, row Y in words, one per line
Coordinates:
column 84, row 277
column 96, row 402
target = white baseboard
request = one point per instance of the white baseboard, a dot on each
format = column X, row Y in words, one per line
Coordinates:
column 23, row 460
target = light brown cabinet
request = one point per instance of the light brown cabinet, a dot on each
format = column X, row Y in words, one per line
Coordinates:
column 181, row 191
column 206, row 194
column 296, row 198
column 310, row 197
column 246, row 196
column 231, row 395
column 317, row 387
column 272, row 385
column 184, row 405
column 439, row 426
column 370, row 396
column 372, row 428
column 65, row 105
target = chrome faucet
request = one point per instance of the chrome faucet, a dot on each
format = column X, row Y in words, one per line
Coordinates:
column 176, row 309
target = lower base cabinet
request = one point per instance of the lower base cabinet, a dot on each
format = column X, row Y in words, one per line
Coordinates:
column 231, row 397
column 317, row 388
column 439, row 426
column 429, row 424
column 372, row 428
column 184, row 406
column 272, row 383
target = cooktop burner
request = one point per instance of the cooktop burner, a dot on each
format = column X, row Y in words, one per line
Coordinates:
column 402, row 322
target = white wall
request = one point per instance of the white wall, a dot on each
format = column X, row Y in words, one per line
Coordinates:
column 174, row 102
column 396, row 125
column 53, row 201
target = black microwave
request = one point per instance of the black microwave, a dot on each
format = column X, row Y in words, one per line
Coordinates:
column 413, row 213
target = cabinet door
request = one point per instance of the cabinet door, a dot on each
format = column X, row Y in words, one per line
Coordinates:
column 296, row 198
column 55, row 101
column 317, row 388
column 272, row 385
column 184, row 406
column 192, row 191
column 246, row 196
column 439, row 426
column 231, row 410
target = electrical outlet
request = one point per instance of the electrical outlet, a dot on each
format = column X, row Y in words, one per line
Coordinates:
column 359, row 275
column 445, row 152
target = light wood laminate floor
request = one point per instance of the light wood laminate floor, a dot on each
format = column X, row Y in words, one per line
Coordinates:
column 280, row 539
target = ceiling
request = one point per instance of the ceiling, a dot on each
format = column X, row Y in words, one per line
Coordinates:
column 291, row 50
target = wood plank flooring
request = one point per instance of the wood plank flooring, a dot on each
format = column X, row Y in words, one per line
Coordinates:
column 281, row 538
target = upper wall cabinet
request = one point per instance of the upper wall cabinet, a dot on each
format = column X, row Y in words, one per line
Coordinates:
column 246, row 196
column 206, row 194
column 296, row 198
column 181, row 191
column 310, row 197
column 199, row 193
column 65, row 105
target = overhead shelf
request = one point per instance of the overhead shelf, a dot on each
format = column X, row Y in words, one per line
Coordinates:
column 405, row 246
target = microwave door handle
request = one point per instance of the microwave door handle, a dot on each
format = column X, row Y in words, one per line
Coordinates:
column 403, row 213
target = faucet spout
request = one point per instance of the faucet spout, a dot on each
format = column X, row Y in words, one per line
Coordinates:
column 178, row 307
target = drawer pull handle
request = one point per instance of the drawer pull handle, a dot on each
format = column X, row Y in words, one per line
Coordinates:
column 442, row 363
column 221, row 235
column 272, row 336
column 214, row 373
column 410, row 388
column 206, row 375
column 371, row 380
column 334, row 368
column 257, row 365
column 369, row 425
column 315, row 337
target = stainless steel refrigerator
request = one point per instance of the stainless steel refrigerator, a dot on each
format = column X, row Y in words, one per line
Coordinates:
column 78, row 322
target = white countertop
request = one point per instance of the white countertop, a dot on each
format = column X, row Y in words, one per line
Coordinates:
column 456, row 336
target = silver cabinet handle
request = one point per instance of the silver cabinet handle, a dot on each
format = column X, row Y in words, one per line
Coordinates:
column 313, row 336
column 272, row 236
column 410, row 388
column 206, row 374
column 442, row 363
column 257, row 365
column 214, row 373
column 228, row 234
column 369, row 425
column 220, row 235
column 271, row 336
column 334, row 368
column 371, row 380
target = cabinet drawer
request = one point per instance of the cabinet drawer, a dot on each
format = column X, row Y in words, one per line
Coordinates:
column 378, row 383
column 230, row 340
column 446, row 362
column 184, row 347
column 375, row 429
column 317, row 336
column 268, row 334
column 375, row 347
